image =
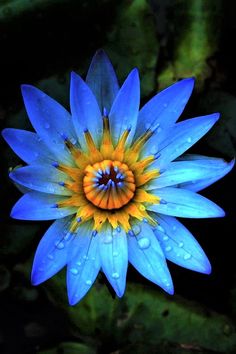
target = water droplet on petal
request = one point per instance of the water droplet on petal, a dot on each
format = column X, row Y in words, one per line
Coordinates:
column 189, row 140
column 115, row 275
column 174, row 228
column 187, row 256
column 74, row 271
column 59, row 245
column 50, row 256
column 160, row 228
column 88, row 282
column 107, row 239
column 181, row 244
column 165, row 238
column 168, row 248
column 165, row 105
column 136, row 229
column 144, row 243
column 85, row 257
column 47, row 125
column 115, row 254
column 114, row 232
column 78, row 263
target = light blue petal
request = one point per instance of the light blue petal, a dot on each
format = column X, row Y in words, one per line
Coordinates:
column 85, row 111
column 51, row 254
column 50, row 120
column 180, row 138
column 219, row 169
column 114, row 257
column 184, row 203
column 102, row 80
column 180, row 172
column 27, row 145
column 40, row 206
column 42, row 178
column 146, row 255
column 124, row 111
column 179, row 245
column 85, row 264
column 165, row 108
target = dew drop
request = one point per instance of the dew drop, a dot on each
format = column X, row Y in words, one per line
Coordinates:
column 115, row 254
column 174, row 228
column 168, row 248
column 187, row 256
column 60, row 245
column 50, row 256
column 136, row 229
column 160, row 228
column 74, row 271
column 144, row 243
column 78, row 263
column 165, row 105
column 47, row 125
column 85, row 257
column 114, row 232
column 88, row 282
column 115, row 275
column 189, row 140
column 118, row 229
column 181, row 244
column 107, row 239
column 165, row 238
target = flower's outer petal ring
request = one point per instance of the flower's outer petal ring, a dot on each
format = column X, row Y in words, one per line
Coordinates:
column 51, row 121
column 102, row 80
column 114, row 257
column 184, row 203
column 220, row 170
column 85, row 111
column 40, row 206
column 146, row 255
column 179, row 245
column 84, row 265
column 165, row 108
column 51, row 254
column 124, row 111
column 27, row 145
column 180, row 172
column 180, row 138
column 42, row 178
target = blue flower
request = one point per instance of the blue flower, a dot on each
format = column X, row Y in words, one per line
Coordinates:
column 114, row 177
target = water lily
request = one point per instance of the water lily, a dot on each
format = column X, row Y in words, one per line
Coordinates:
column 114, row 177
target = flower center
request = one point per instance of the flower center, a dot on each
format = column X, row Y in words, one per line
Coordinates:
column 109, row 184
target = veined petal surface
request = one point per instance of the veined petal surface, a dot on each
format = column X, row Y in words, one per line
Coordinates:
column 124, row 111
column 27, row 145
column 84, row 265
column 146, row 255
column 85, row 111
column 50, row 120
column 102, row 80
column 51, row 254
column 40, row 206
column 179, row 245
column 184, row 203
column 42, row 178
column 113, row 251
column 165, row 108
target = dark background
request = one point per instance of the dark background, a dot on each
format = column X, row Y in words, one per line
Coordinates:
column 41, row 41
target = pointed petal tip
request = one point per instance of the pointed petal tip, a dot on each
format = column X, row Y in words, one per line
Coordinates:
column 4, row 133
column 170, row 290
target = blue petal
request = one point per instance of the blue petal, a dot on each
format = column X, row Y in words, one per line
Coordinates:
column 184, row 203
column 86, row 114
column 180, row 172
column 50, row 120
column 51, row 254
column 165, row 108
column 179, row 245
column 42, row 178
column 146, row 255
column 114, row 257
column 85, row 264
column 124, row 111
column 28, row 146
column 181, row 137
column 40, row 206
column 102, row 80
column 219, row 169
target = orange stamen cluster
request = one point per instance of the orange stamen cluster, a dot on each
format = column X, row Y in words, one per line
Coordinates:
column 108, row 182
